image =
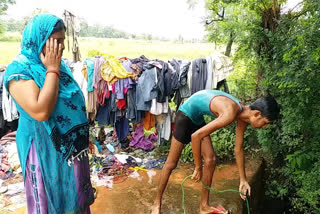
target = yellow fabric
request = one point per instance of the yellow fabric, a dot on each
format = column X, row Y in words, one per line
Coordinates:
column 112, row 70
column 107, row 74
column 138, row 168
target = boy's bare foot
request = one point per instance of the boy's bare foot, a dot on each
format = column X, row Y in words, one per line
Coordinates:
column 208, row 209
column 156, row 209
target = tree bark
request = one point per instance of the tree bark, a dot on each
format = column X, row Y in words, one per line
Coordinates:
column 229, row 45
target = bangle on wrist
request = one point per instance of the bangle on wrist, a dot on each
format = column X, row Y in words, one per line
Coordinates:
column 54, row 71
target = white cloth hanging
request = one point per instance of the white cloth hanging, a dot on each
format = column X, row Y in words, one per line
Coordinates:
column 9, row 108
column 80, row 79
column 222, row 67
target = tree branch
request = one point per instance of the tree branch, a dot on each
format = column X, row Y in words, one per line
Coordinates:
column 220, row 18
column 213, row 20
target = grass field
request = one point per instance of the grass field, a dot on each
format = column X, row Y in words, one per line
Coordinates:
column 122, row 47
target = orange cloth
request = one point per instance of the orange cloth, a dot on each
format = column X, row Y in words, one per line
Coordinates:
column 149, row 121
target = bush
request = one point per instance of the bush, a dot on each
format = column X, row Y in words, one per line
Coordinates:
column 292, row 76
column 94, row 52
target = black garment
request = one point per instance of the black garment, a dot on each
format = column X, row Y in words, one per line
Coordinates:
column 184, row 128
column 183, row 79
column 199, row 75
column 139, row 62
column 178, row 99
column 181, row 88
column 170, row 82
column 6, row 126
column 224, row 84
column 161, row 95
column 165, row 82
column 181, row 71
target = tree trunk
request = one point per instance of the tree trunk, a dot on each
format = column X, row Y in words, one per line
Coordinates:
column 227, row 53
column 229, row 45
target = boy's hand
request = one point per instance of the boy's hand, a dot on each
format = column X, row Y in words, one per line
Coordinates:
column 197, row 174
column 245, row 189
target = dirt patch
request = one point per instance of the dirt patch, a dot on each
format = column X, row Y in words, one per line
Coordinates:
column 136, row 196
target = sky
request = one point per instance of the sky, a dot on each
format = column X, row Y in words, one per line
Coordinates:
column 167, row 18
column 163, row 18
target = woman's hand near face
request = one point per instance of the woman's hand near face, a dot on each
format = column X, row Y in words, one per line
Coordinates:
column 53, row 54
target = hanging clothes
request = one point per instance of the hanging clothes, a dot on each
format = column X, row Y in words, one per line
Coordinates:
column 127, row 65
column 84, row 71
column 80, row 79
column 149, row 121
column 132, row 113
column 163, row 127
column 190, row 76
column 9, row 108
column 222, row 68
column 182, row 67
column 162, row 69
column 120, row 88
column 209, row 73
column 137, row 65
column 159, row 108
column 92, row 105
column 171, row 82
column 103, row 92
column 199, row 75
column 146, row 88
column 112, row 70
column 121, row 104
column 183, row 79
column 98, row 62
column 89, row 64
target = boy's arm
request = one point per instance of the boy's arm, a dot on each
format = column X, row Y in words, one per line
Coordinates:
column 223, row 120
column 238, row 151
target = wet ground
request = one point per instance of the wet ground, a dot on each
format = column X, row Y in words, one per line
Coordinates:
column 136, row 196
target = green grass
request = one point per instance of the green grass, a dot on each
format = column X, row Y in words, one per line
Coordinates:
column 122, row 47
column 8, row 50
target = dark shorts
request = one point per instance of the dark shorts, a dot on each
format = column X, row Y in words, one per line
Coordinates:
column 184, row 128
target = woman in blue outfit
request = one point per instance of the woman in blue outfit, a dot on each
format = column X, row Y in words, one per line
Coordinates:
column 53, row 133
column 190, row 126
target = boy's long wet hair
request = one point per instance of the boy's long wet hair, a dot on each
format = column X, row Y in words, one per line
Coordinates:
column 59, row 27
column 268, row 107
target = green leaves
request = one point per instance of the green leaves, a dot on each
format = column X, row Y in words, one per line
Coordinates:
column 186, row 155
column 300, row 161
column 278, row 55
